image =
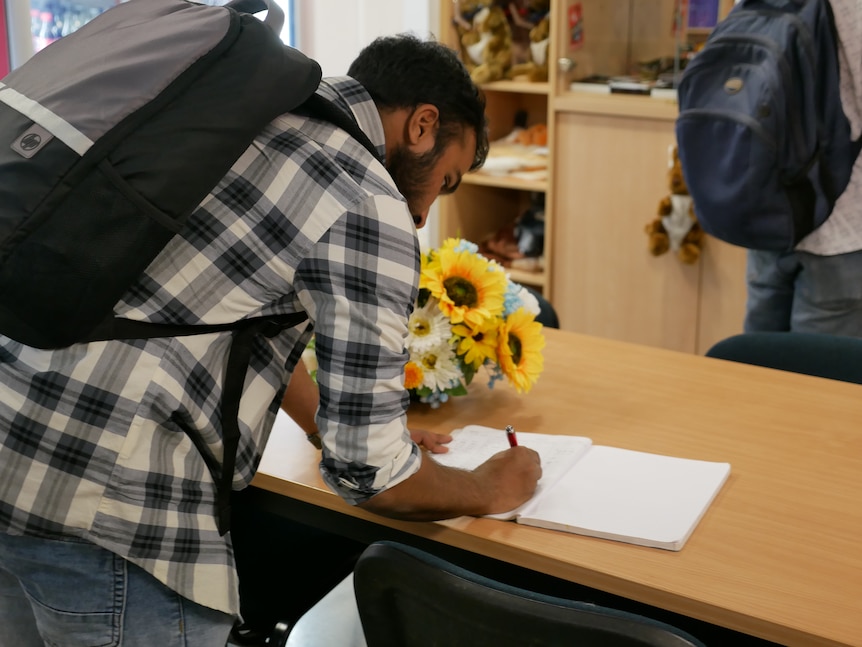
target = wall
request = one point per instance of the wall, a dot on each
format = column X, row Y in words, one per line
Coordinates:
column 333, row 31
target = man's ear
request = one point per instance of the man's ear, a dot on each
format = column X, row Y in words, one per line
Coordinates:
column 421, row 128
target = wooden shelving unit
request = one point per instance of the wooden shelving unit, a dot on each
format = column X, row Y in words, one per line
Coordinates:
column 607, row 163
column 488, row 202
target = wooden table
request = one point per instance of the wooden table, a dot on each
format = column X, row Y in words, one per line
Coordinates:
column 779, row 553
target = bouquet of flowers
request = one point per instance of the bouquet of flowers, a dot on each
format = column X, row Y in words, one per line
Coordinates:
column 469, row 315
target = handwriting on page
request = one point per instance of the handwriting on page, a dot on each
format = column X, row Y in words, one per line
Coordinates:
column 474, row 444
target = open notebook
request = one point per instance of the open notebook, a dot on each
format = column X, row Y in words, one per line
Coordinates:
column 608, row 492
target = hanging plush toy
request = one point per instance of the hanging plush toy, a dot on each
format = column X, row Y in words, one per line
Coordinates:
column 676, row 228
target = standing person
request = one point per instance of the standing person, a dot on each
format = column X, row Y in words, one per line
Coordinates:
column 818, row 286
column 108, row 531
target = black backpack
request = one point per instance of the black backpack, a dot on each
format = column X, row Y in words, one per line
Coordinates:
column 112, row 136
column 763, row 140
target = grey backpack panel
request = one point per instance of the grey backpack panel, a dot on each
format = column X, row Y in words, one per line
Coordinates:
column 110, row 137
column 115, row 65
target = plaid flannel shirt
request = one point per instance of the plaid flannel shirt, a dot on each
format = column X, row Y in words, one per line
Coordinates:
column 94, row 438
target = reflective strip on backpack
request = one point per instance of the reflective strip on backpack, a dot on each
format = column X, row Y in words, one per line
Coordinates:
column 57, row 126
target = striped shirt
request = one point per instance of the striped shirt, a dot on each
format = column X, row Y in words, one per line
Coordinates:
column 94, row 438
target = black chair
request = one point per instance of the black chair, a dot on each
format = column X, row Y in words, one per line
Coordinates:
column 830, row 356
column 406, row 597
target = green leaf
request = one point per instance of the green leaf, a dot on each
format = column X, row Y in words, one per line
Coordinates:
column 468, row 371
column 457, row 390
column 422, row 298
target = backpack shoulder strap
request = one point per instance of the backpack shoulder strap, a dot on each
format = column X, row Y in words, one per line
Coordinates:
column 274, row 13
column 244, row 333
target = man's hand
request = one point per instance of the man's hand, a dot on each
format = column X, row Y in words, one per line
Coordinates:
column 434, row 443
column 516, row 472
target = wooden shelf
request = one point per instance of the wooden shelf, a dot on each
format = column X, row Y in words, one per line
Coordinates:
column 533, row 279
column 620, row 105
column 505, row 182
column 520, row 87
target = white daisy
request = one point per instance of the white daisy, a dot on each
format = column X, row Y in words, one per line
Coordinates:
column 439, row 370
column 427, row 329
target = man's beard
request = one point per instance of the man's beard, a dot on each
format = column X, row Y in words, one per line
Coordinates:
column 412, row 173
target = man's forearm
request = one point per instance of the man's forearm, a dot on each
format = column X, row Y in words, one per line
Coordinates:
column 301, row 399
column 435, row 492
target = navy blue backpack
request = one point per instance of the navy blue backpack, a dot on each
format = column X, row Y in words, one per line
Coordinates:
column 764, row 142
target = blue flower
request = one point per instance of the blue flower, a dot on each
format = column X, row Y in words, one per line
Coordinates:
column 466, row 246
column 512, row 300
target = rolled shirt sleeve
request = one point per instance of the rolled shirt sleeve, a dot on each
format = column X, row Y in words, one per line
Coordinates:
column 358, row 284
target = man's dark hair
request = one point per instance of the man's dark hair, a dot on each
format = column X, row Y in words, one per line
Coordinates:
column 403, row 71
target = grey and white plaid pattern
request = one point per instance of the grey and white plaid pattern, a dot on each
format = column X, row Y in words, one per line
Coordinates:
column 94, row 438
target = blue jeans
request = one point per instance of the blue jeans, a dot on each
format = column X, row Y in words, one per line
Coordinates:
column 71, row 593
column 802, row 292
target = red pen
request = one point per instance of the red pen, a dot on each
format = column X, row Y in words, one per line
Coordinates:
column 510, row 434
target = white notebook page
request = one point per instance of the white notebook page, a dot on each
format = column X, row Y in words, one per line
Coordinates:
column 627, row 495
column 474, row 444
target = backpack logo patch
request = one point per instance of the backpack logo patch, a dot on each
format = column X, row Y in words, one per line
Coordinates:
column 31, row 141
column 733, row 85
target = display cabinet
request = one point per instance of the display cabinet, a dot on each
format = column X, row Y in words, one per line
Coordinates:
column 606, row 172
column 487, row 202
column 490, row 201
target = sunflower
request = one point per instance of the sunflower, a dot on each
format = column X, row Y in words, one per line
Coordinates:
column 460, row 245
column 519, row 347
column 468, row 288
column 478, row 344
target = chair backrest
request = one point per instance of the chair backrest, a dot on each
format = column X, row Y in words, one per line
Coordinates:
column 408, row 597
column 831, row 356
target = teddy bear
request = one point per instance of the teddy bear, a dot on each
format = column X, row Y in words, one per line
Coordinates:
column 676, row 227
column 487, row 47
column 535, row 68
column 464, row 12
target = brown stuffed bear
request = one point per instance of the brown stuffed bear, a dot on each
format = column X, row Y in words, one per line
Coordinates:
column 676, row 227
column 488, row 46
column 462, row 21
column 536, row 67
